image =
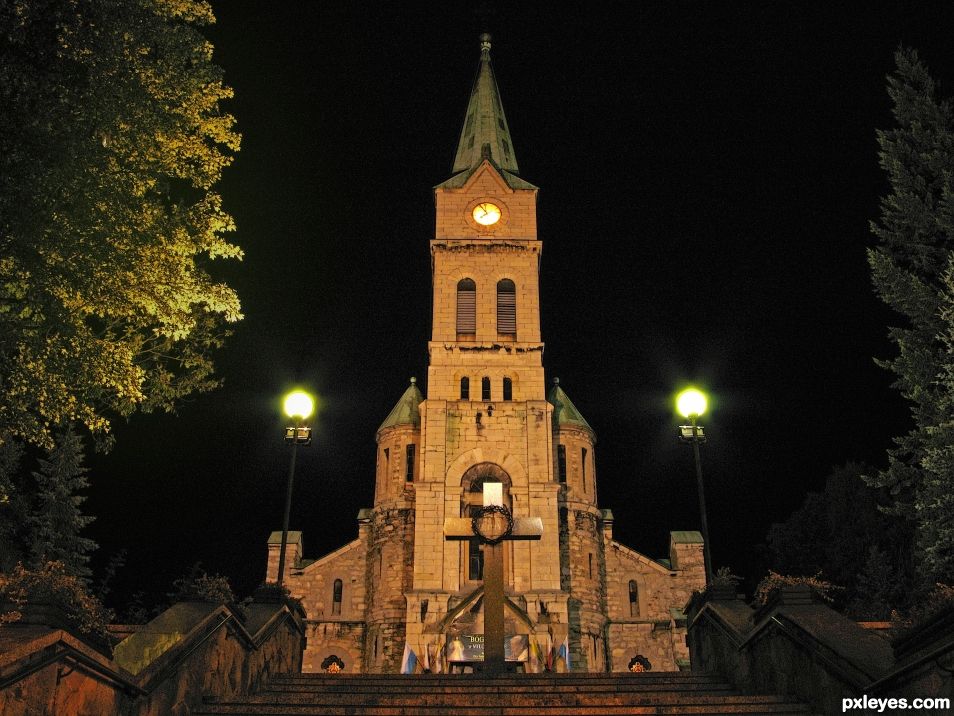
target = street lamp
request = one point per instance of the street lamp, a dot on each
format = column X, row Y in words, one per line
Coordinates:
column 298, row 406
column 692, row 403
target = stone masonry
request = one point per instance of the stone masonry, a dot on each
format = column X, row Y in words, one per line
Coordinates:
column 488, row 417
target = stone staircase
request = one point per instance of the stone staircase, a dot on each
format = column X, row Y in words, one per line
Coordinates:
column 511, row 694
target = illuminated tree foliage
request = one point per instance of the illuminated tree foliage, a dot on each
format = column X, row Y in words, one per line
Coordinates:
column 111, row 140
column 912, row 272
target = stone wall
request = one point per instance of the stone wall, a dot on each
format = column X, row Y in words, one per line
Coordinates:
column 332, row 627
column 389, row 575
column 191, row 652
column 798, row 646
column 652, row 625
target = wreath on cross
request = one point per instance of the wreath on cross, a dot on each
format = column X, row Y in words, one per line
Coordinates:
column 639, row 663
column 332, row 664
column 491, row 510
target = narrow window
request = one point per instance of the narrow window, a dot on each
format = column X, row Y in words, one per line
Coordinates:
column 589, row 560
column 466, row 307
column 507, row 389
column 561, row 463
column 387, row 463
column 485, row 388
column 583, row 467
column 465, row 388
column 633, row 598
column 506, row 307
column 409, row 468
column 336, row 597
column 475, row 561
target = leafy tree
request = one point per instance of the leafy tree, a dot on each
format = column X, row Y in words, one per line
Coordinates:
column 842, row 534
column 912, row 273
column 57, row 521
column 111, row 141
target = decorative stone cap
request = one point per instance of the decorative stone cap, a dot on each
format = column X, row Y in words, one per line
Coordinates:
column 686, row 537
column 294, row 537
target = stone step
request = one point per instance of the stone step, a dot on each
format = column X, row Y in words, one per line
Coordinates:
column 713, row 688
column 570, row 681
column 492, row 700
column 504, row 695
column 247, row 709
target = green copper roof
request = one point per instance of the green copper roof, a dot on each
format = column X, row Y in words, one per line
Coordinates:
column 484, row 123
column 406, row 411
column 687, row 537
column 513, row 181
column 564, row 412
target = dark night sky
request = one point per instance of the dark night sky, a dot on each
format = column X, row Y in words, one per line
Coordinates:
column 707, row 175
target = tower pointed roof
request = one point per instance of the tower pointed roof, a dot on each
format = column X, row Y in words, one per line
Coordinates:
column 485, row 133
column 406, row 411
column 564, row 412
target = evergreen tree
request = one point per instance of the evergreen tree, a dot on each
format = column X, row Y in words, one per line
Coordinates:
column 841, row 534
column 14, row 507
column 911, row 270
column 57, row 521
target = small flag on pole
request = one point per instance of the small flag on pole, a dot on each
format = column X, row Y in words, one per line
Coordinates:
column 409, row 661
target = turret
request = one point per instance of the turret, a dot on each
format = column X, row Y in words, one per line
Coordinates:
column 399, row 447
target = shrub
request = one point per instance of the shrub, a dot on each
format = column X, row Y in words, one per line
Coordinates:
column 51, row 584
column 774, row 581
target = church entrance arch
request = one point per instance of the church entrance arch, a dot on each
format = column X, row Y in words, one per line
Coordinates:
column 471, row 500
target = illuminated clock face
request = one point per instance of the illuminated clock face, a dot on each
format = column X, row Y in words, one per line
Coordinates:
column 486, row 213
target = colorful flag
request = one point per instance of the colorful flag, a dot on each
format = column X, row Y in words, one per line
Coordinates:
column 564, row 652
column 536, row 657
column 549, row 652
column 439, row 659
column 409, row 661
column 427, row 658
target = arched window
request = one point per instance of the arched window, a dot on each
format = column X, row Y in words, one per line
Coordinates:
column 336, row 597
column 466, row 307
column 507, row 389
column 485, row 388
column 633, row 598
column 472, row 499
column 465, row 388
column 506, row 307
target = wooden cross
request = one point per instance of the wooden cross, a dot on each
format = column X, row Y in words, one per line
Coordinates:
column 496, row 522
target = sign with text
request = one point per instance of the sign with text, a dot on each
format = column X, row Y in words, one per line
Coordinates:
column 470, row 647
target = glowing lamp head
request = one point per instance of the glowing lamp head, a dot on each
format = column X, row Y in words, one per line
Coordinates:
column 691, row 402
column 299, row 404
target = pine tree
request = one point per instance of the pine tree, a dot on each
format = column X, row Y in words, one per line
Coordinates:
column 57, row 520
column 911, row 271
column 14, row 506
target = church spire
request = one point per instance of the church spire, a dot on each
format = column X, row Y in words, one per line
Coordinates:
column 485, row 132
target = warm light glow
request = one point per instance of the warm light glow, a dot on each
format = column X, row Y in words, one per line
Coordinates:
column 299, row 404
column 486, row 213
column 691, row 402
column 493, row 494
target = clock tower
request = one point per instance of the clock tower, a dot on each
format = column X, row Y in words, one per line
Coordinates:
column 402, row 588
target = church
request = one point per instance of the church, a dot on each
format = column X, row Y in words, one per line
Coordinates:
column 574, row 598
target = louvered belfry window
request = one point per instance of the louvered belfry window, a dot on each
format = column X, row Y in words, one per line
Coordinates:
column 466, row 306
column 506, row 307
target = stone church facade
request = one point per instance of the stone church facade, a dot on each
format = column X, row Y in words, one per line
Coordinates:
column 487, row 417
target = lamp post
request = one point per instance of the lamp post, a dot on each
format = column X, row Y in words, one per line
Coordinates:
column 298, row 406
column 691, row 403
